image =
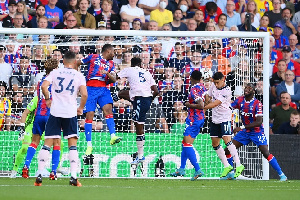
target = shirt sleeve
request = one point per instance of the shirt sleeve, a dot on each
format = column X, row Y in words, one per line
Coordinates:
column 259, row 109
column 235, row 104
column 82, row 80
column 123, row 73
column 33, row 104
column 50, row 77
column 86, row 59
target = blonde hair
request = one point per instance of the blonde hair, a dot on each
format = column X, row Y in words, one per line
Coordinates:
column 50, row 65
column 255, row 10
column 24, row 13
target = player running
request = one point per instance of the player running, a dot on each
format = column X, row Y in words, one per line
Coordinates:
column 194, row 123
column 39, row 124
column 143, row 90
column 66, row 82
column 101, row 72
column 220, row 95
column 252, row 130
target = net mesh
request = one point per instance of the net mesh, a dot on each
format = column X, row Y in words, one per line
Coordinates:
column 170, row 60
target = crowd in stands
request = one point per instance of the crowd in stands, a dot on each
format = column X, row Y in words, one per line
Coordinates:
column 170, row 60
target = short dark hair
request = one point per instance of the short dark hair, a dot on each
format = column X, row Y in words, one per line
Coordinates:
column 211, row 6
column 16, row 92
column 295, row 112
column 24, row 57
column 2, row 48
column 2, row 83
column 136, row 62
column 218, row 76
column 223, row 14
column 177, row 9
column 251, row 85
column 69, row 55
column 106, row 47
column 283, row 92
column 57, row 50
column 196, row 75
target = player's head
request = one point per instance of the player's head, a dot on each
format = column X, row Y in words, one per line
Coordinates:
column 50, row 64
column 195, row 77
column 136, row 62
column 108, row 52
column 3, row 88
column 70, row 59
column 249, row 90
column 219, row 79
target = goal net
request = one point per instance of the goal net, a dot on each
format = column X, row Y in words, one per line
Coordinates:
column 170, row 57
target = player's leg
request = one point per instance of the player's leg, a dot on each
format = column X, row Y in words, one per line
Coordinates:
column 55, row 158
column 90, row 108
column 105, row 102
column 59, row 168
column 272, row 161
column 70, row 132
column 21, row 154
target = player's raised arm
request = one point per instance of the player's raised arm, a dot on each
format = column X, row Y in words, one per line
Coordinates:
column 155, row 91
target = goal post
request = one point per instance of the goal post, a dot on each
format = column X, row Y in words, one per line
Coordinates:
column 160, row 147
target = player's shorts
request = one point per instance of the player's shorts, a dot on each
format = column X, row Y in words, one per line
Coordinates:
column 97, row 95
column 220, row 130
column 193, row 129
column 39, row 124
column 69, row 126
column 141, row 105
column 245, row 138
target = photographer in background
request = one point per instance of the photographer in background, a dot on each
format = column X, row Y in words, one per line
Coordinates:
column 246, row 26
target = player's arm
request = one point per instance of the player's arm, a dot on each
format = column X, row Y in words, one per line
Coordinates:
column 199, row 104
column 111, row 75
column 207, row 99
column 213, row 104
column 83, row 93
column 256, row 123
column 155, row 91
column 46, row 93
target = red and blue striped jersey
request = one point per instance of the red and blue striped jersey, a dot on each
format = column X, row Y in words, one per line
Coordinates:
column 42, row 109
column 197, row 92
column 189, row 68
column 249, row 110
column 4, row 8
column 96, row 63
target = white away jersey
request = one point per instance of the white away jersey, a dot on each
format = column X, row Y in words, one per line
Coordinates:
column 65, row 85
column 140, row 81
column 222, row 112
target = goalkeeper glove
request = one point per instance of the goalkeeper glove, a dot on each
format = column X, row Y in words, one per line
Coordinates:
column 22, row 132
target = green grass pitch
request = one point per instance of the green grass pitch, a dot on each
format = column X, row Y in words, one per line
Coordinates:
column 156, row 189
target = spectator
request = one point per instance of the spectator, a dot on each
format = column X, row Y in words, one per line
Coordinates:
column 137, row 24
column 38, row 57
column 73, row 6
column 252, row 9
column 53, row 13
column 3, row 8
column 259, row 90
column 263, row 6
column 118, row 55
column 158, row 61
column 288, row 27
column 180, row 60
column 166, row 84
column 166, row 27
column 288, row 4
column 26, row 51
column 148, row 7
column 162, row 15
column 293, row 40
column 291, row 127
column 278, row 76
column 212, row 12
column 280, row 40
column 126, row 62
column 11, row 56
column 18, row 22
column 192, row 25
column 176, row 24
column 281, row 114
column 57, row 54
column 179, row 126
column 275, row 14
column 63, row 25
column 264, row 23
column 5, row 68
column 291, row 64
column 216, row 62
column 153, row 26
column 221, row 25
column 244, row 27
column 40, row 11
column 199, row 19
column 184, row 7
column 7, row 21
column 24, row 80
column 16, row 110
column 131, row 11
column 112, row 20
column 84, row 19
column 234, row 28
column 95, row 8
column 240, row 6
column 288, row 85
column 233, row 17
column 5, row 108
column 22, row 9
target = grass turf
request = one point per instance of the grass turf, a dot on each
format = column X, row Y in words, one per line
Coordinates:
column 124, row 189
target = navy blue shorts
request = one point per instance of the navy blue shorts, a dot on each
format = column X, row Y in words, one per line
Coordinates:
column 220, row 130
column 54, row 126
column 141, row 105
column 245, row 138
column 97, row 95
column 39, row 124
column 193, row 129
